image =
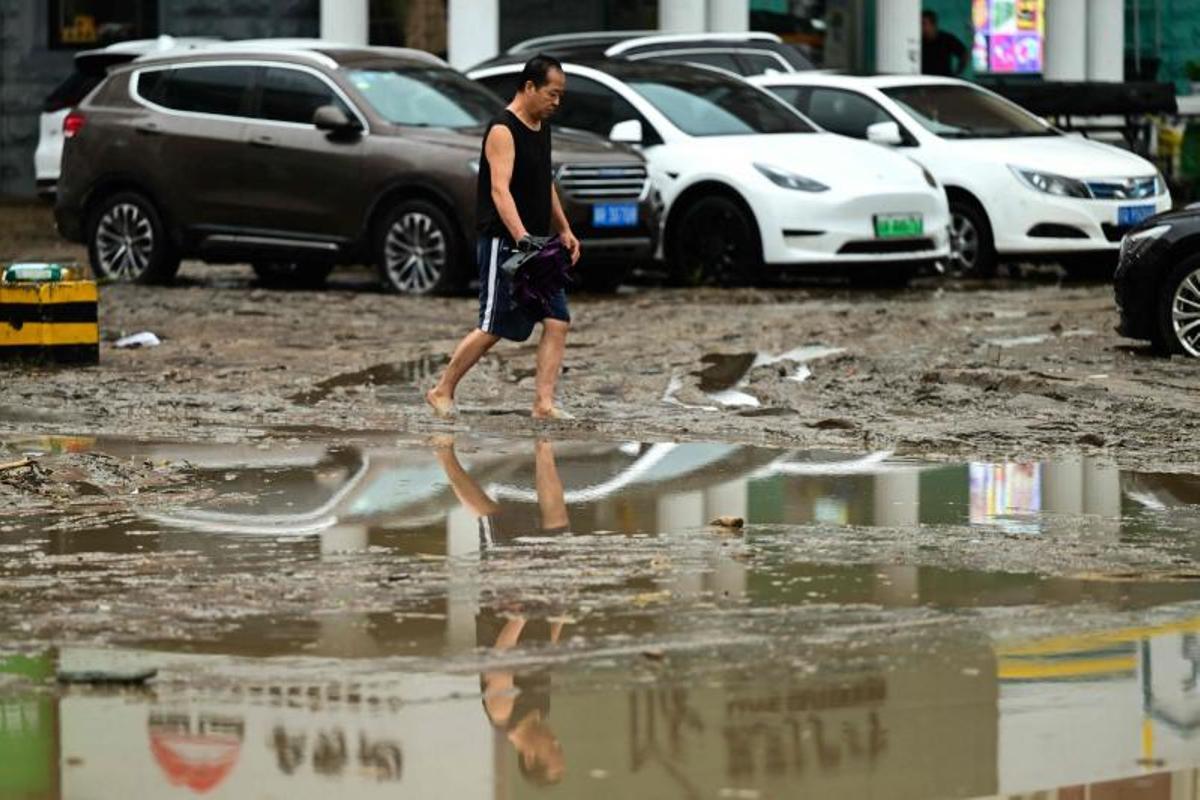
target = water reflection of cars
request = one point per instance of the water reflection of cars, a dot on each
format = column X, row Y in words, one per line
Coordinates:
column 1017, row 186
column 750, row 186
column 356, row 154
column 1158, row 282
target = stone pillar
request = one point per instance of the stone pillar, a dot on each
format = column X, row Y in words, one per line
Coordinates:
column 345, row 21
column 1066, row 40
column 1106, row 40
column 728, row 16
column 473, row 31
column 682, row 16
column 898, row 36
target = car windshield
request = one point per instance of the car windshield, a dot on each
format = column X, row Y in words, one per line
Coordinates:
column 714, row 105
column 430, row 97
column 964, row 112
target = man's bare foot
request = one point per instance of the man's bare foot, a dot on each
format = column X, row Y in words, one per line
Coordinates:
column 552, row 412
column 442, row 405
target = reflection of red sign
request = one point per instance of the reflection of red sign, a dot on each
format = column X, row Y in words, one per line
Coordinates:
column 197, row 761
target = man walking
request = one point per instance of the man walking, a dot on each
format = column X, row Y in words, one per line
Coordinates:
column 516, row 200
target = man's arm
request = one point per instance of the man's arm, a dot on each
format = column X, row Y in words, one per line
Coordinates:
column 961, row 54
column 501, row 154
column 559, row 220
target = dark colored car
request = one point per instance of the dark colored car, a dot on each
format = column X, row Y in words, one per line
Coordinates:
column 1157, row 282
column 739, row 53
column 298, row 158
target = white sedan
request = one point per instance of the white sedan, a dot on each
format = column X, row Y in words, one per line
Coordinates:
column 747, row 181
column 1018, row 187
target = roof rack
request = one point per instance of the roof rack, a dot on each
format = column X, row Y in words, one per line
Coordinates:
column 312, row 49
column 538, row 42
column 681, row 38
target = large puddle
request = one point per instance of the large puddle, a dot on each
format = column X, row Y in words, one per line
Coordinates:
column 506, row 619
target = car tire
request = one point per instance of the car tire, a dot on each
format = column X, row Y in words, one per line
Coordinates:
column 291, row 274
column 1090, row 267
column 1178, row 298
column 715, row 242
column 417, row 250
column 127, row 241
column 972, row 248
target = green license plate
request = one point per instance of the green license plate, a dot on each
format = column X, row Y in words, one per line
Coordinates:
column 898, row 226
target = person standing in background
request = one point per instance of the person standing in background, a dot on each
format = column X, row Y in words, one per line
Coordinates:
column 941, row 53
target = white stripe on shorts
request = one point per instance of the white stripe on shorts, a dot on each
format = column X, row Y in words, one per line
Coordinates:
column 490, row 308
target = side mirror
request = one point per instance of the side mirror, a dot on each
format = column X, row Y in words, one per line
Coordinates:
column 885, row 133
column 628, row 131
column 334, row 120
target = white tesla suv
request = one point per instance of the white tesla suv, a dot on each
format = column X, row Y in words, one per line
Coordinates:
column 749, row 182
column 1018, row 187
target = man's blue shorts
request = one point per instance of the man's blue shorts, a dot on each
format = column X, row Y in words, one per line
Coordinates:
column 497, row 314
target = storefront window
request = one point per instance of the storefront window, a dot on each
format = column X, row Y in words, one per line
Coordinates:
column 409, row 23
column 525, row 19
column 95, row 23
column 828, row 32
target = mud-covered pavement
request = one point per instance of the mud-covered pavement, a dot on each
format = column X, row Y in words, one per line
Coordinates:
column 247, row 563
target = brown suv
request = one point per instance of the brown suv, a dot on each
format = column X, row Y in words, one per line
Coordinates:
column 297, row 157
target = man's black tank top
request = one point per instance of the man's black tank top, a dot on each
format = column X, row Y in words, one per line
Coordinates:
column 531, row 179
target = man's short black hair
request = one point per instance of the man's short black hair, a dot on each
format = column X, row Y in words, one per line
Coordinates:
column 537, row 69
column 930, row 15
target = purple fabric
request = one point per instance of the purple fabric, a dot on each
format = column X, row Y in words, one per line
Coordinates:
column 542, row 276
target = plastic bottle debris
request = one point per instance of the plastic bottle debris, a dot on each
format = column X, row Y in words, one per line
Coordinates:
column 142, row 339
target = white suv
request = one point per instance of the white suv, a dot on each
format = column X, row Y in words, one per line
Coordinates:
column 90, row 68
column 748, row 181
column 1018, row 187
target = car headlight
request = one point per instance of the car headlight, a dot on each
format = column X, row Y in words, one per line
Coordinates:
column 1049, row 183
column 790, row 180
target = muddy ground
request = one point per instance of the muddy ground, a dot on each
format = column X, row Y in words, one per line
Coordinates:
column 1010, row 369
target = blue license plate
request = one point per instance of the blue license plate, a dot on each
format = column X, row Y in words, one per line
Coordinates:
column 1132, row 215
column 615, row 215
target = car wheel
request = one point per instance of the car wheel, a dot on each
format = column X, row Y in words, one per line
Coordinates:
column 1179, row 309
column 291, row 274
column 715, row 242
column 417, row 250
column 972, row 250
column 127, row 241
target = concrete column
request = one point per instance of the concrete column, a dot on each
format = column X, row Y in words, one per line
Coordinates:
column 897, row 499
column 729, row 499
column 472, row 31
column 898, row 36
column 727, row 16
column 345, row 21
column 683, row 16
column 1062, row 486
column 1106, row 40
column 1066, row 40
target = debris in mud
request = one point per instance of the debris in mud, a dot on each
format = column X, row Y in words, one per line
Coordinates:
column 404, row 373
column 136, row 340
column 834, row 424
column 105, row 677
column 736, row 523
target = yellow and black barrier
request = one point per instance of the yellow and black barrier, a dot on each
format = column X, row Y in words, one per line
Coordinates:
column 52, row 321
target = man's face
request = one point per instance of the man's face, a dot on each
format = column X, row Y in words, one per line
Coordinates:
column 543, row 101
column 929, row 28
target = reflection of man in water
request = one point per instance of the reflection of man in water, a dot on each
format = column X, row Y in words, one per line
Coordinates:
column 517, row 703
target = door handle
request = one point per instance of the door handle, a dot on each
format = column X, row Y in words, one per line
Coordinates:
column 148, row 129
column 262, row 141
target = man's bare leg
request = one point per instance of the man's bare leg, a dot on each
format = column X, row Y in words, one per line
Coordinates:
column 472, row 348
column 549, row 365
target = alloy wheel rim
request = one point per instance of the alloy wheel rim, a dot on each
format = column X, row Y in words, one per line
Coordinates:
column 415, row 253
column 964, row 244
column 717, row 246
column 124, row 242
column 1185, row 313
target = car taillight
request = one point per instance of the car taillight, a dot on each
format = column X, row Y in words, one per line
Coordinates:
column 73, row 124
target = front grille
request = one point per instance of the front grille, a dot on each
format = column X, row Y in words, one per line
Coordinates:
column 1114, row 233
column 894, row 246
column 1124, row 188
column 1053, row 230
column 601, row 183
